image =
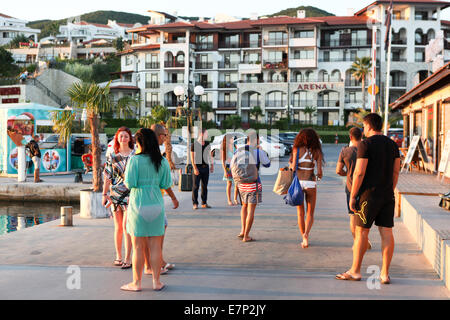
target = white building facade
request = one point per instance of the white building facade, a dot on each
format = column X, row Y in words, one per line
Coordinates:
column 11, row 27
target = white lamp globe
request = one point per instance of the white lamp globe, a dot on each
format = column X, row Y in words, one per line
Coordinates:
column 178, row 91
column 199, row 90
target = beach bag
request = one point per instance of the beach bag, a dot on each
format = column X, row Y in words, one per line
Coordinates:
column 283, row 182
column 244, row 166
column 294, row 196
column 185, row 179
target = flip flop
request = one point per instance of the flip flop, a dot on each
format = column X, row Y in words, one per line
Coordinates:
column 126, row 287
column 126, row 265
column 387, row 281
column 163, row 271
column 163, row 286
column 248, row 240
column 168, row 266
column 118, row 262
column 240, row 236
column 346, row 276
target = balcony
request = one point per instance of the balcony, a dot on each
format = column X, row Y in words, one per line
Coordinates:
column 398, row 59
column 229, row 45
column 275, row 65
column 251, row 44
column 276, row 103
column 349, row 100
column 399, row 83
column 152, row 104
column 249, row 104
column 226, row 104
column 249, row 68
column 398, row 41
column 174, row 81
column 174, row 64
column 205, row 46
column 152, row 85
column 302, row 42
column 203, row 65
column 170, row 103
column 327, row 103
column 364, row 42
column 227, row 85
column 152, row 65
column 181, row 40
column 276, row 42
column 228, row 65
column 303, row 103
column 353, row 83
column 205, row 84
column 338, row 59
column 302, row 63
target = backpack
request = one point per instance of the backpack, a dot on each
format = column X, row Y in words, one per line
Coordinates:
column 244, row 166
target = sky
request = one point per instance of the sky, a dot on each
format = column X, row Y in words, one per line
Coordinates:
column 31, row 10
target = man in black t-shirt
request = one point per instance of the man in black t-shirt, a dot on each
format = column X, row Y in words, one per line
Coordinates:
column 35, row 153
column 374, row 180
column 202, row 164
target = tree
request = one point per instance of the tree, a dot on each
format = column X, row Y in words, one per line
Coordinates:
column 63, row 124
column 204, row 107
column 256, row 112
column 359, row 116
column 7, row 66
column 118, row 44
column 310, row 112
column 96, row 100
column 123, row 106
column 233, row 121
column 360, row 69
column 15, row 42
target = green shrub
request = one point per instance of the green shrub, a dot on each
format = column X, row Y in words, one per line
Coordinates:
column 80, row 71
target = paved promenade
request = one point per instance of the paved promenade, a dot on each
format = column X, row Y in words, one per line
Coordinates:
column 211, row 262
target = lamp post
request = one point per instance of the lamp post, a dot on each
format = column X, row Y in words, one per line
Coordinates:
column 187, row 98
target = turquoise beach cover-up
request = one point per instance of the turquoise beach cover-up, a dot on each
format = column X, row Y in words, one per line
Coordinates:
column 145, row 184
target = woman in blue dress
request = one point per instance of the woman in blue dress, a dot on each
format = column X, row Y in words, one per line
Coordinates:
column 146, row 174
column 227, row 152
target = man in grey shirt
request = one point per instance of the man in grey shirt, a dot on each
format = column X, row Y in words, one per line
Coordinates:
column 346, row 166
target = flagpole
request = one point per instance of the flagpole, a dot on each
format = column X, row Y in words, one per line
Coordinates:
column 374, row 67
column 388, row 71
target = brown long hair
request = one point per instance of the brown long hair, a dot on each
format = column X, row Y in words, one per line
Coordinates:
column 225, row 143
column 116, row 139
column 309, row 139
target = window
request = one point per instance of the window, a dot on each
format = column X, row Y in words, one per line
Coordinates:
column 304, row 54
column 275, row 56
column 304, row 34
column 128, row 60
column 277, row 38
column 152, row 99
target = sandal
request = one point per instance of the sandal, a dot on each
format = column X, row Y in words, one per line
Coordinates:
column 126, row 265
column 168, row 266
column 387, row 281
column 118, row 262
column 346, row 276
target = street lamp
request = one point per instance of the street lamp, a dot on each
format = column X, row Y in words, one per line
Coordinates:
column 187, row 98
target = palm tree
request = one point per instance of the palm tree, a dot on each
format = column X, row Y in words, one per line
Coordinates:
column 204, row 107
column 359, row 116
column 360, row 69
column 124, row 104
column 63, row 124
column 310, row 112
column 96, row 100
column 256, row 112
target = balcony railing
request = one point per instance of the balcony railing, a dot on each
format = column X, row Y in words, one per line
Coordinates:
column 174, row 81
column 173, row 64
column 353, row 83
column 205, row 84
column 328, row 103
column 203, row 65
column 276, row 42
column 151, row 104
column 303, row 103
column 228, row 65
column 176, row 41
column 338, row 59
column 349, row 100
column 170, row 103
column 398, row 41
column 275, row 103
column 226, row 104
column 251, row 44
column 397, row 59
column 316, row 80
column 399, row 83
column 251, row 81
column 152, row 85
column 225, row 84
column 229, row 45
column 275, row 65
column 205, row 46
column 346, row 42
column 198, row 103
column 152, row 65
column 250, row 103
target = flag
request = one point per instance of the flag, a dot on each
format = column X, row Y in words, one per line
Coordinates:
column 387, row 23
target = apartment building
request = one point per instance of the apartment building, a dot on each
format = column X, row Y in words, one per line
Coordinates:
column 82, row 31
column 11, row 27
column 282, row 64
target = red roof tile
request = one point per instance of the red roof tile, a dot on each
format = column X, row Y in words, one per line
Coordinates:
column 284, row 20
column 84, row 23
column 433, row 2
column 5, row 16
column 348, row 20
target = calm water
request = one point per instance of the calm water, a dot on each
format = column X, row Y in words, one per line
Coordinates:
column 18, row 216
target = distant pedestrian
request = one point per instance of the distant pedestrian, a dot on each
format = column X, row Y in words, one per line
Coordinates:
column 345, row 167
column 35, row 154
column 203, row 165
column 161, row 133
column 374, row 180
column 227, row 151
column 310, row 159
column 250, row 191
column 336, row 139
column 114, row 183
column 147, row 173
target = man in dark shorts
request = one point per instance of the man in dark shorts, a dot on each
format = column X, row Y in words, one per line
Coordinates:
column 35, row 153
column 345, row 167
column 374, row 180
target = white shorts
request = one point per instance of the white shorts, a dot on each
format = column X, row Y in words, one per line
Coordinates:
column 305, row 184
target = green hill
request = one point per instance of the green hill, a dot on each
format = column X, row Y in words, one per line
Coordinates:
column 49, row 27
column 310, row 12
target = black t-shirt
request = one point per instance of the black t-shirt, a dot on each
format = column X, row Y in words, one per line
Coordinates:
column 381, row 153
column 203, row 157
column 34, row 149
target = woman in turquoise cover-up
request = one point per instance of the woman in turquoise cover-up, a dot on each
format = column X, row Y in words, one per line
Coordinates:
column 146, row 174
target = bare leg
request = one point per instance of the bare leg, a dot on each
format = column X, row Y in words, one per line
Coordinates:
column 155, row 259
column 243, row 219
column 301, row 220
column 147, row 265
column 118, row 233
column 138, row 263
column 249, row 221
column 352, row 225
column 229, row 185
column 127, row 239
column 310, row 198
column 387, row 249
column 235, row 194
column 359, row 249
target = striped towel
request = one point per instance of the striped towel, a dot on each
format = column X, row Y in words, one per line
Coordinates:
column 249, row 187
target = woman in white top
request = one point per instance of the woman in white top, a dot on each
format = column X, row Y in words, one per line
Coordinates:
column 310, row 159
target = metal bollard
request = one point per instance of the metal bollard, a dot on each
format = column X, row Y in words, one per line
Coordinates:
column 66, row 216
